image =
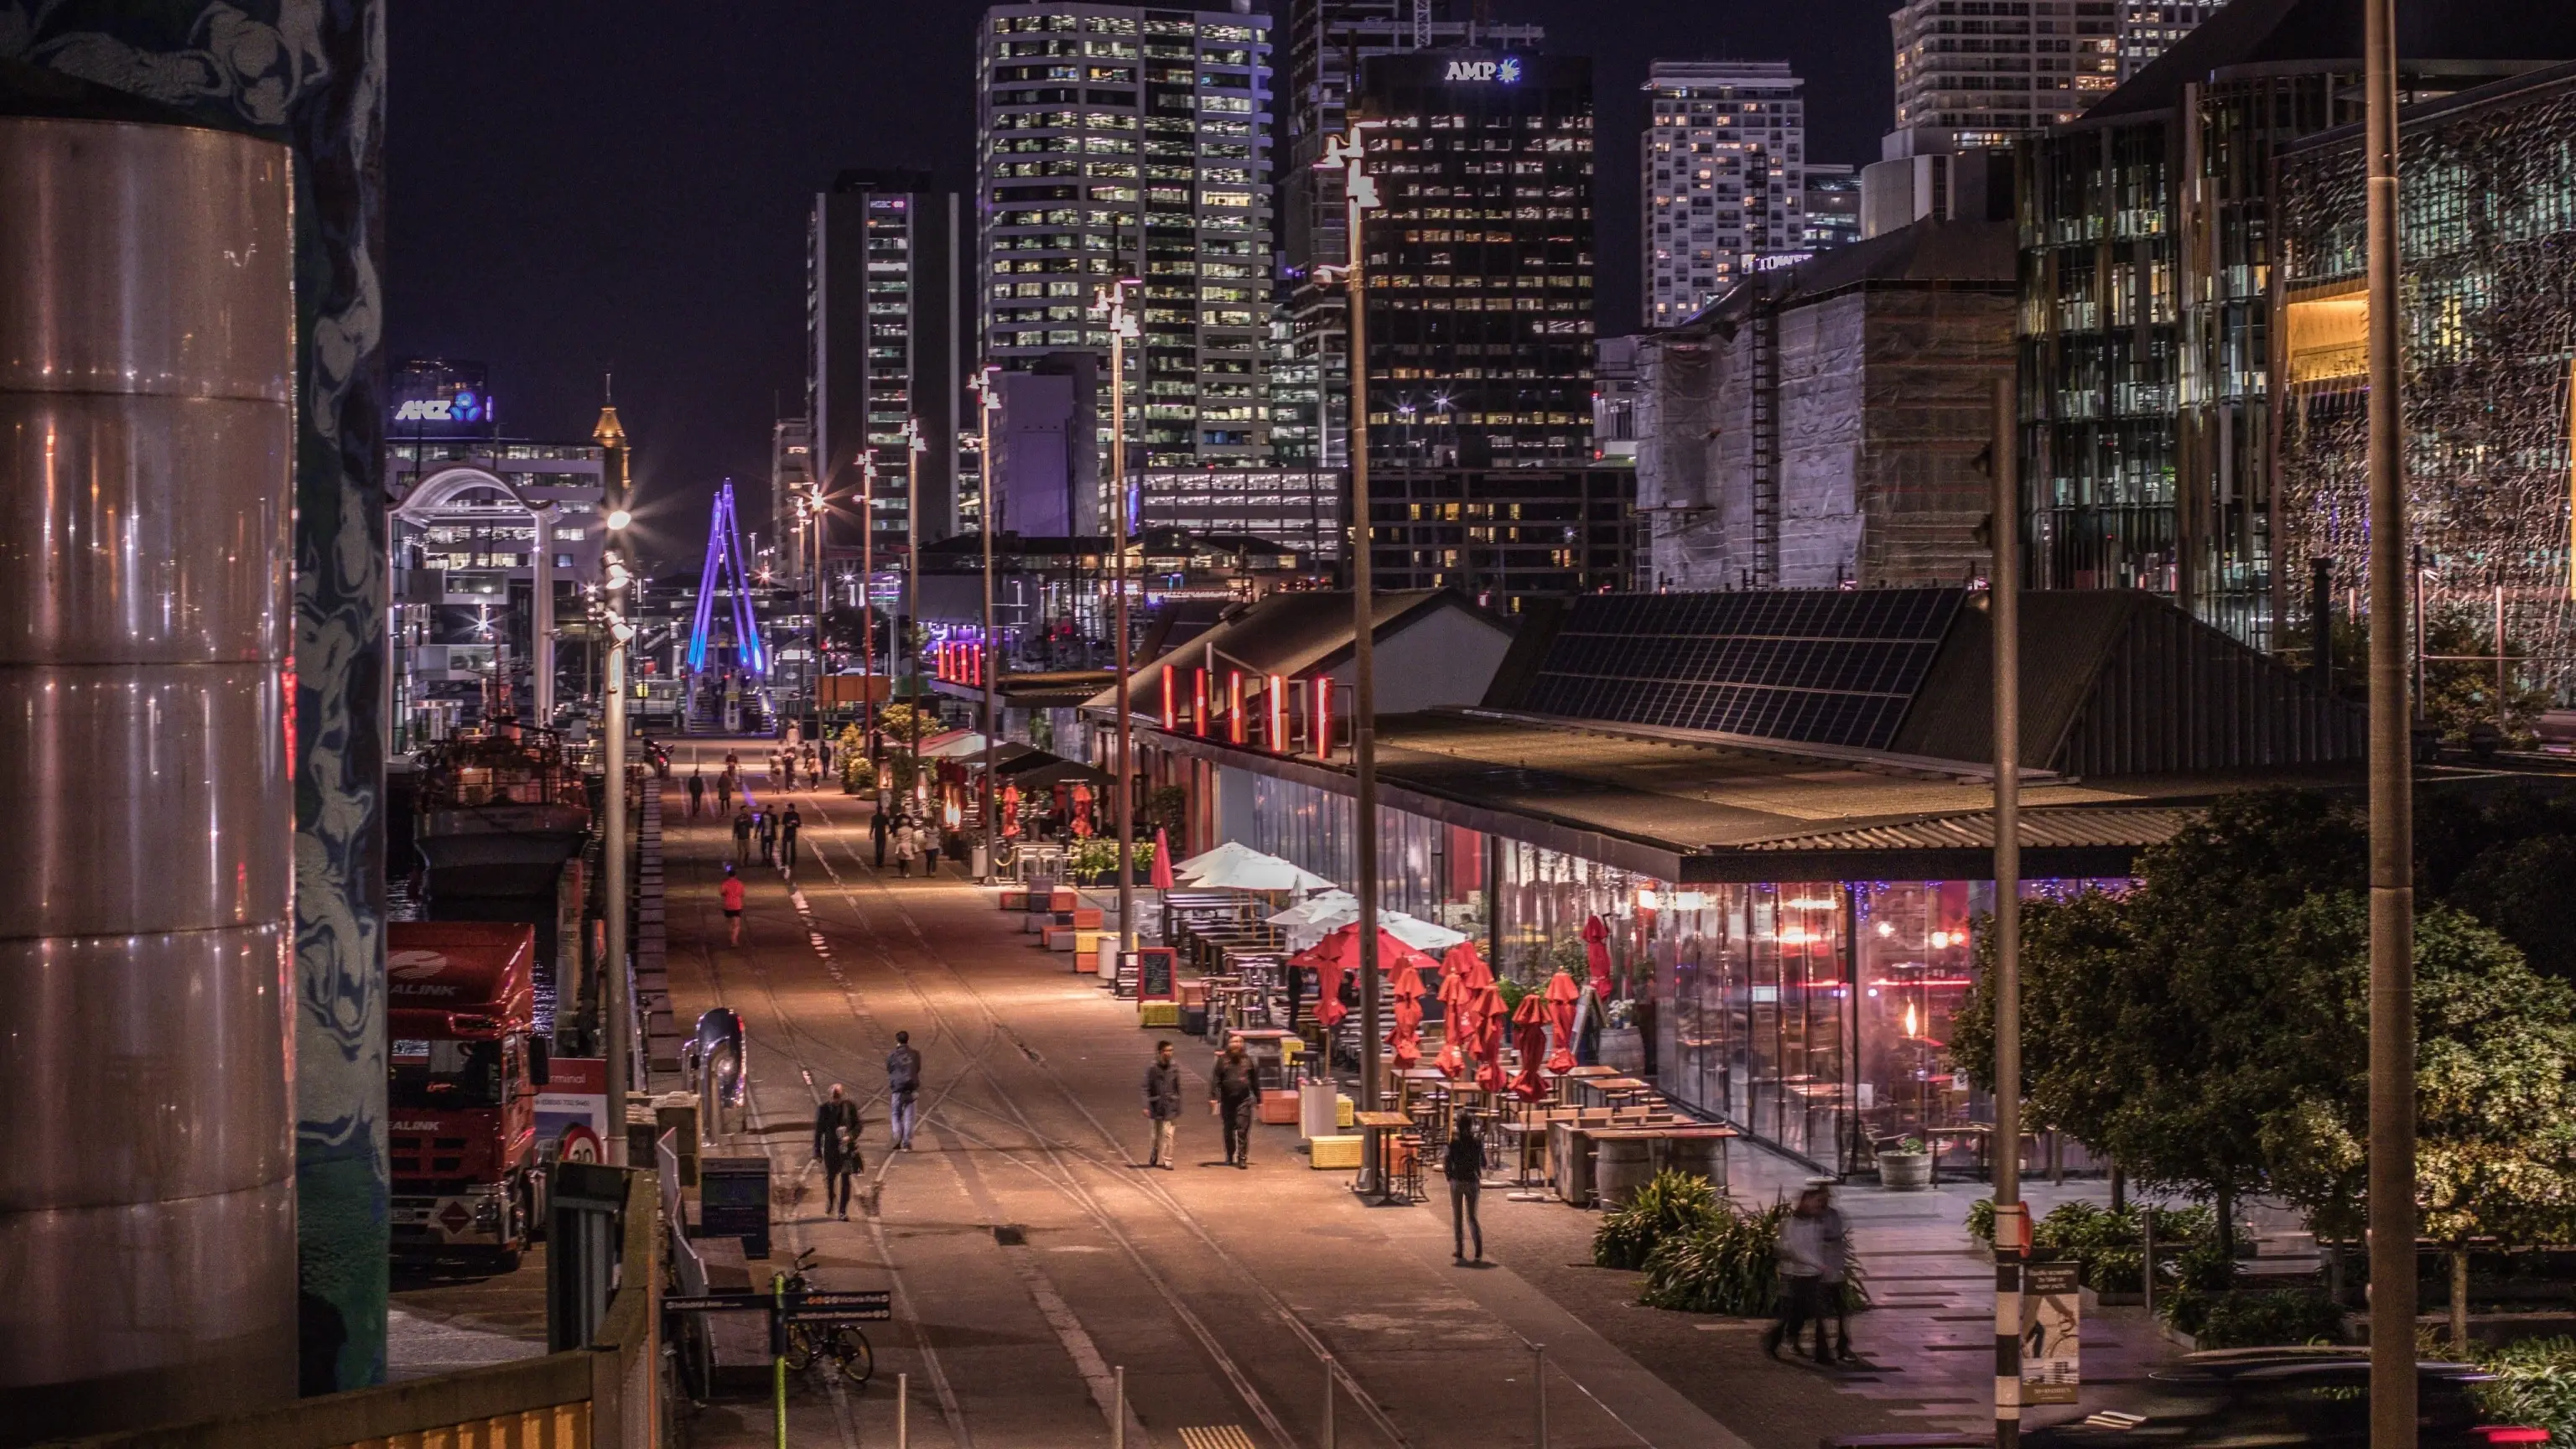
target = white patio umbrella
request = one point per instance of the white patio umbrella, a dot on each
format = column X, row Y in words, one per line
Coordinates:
column 969, row 744
column 1253, row 871
column 1316, row 907
column 1337, row 909
column 1207, row 859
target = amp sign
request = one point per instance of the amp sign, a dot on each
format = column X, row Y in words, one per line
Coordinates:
column 1506, row 71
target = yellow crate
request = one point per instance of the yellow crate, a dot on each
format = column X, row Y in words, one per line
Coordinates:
column 1338, row 1154
column 1343, row 1110
column 1087, row 942
column 1158, row 1013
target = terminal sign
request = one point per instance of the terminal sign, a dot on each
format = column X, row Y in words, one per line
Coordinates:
column 1506, row 71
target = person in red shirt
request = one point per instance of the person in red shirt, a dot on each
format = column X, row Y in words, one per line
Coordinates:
column 731, row 894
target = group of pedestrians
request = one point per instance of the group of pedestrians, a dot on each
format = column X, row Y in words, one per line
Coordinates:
column 727, row 780
column 774, row 833
column 837, row 1125
column 909, row 837
column 811, row 759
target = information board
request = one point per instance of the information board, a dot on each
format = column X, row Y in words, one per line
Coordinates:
column 1158, row 974
column 2052, row 1308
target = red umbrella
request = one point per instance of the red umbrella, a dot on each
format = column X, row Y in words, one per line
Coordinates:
column 1531, row 1039
column 1339, row 952
column 1402, row 1042
column 1562, row 994
column 1489, row 1038
column 1596, row 953
column 1162, row 859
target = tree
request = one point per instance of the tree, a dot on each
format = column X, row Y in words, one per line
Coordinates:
column 906, row 724
column 2461, row 692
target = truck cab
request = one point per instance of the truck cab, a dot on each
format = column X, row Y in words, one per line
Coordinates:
column 462, row 1102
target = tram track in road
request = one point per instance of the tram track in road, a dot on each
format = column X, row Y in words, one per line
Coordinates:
column 1120, row 1170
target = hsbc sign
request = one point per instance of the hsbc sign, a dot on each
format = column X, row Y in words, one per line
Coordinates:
column 1505, row 72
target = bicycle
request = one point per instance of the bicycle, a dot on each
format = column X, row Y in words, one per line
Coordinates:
column 845, row 1344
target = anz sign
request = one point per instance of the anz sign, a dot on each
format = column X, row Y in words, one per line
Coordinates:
column 465, row 406
column 1504, row 72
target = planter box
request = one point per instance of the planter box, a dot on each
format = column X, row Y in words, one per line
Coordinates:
column 1905, row 1171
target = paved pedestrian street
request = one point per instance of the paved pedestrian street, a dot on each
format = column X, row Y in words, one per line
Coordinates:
column 1032, row 1257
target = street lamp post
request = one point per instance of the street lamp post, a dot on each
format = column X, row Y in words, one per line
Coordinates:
column 2392, row 824
column 1110, row 303
column 1349, row 152
column 2003, row 599
column 617, row 1017
column 913, row 448
column 988, row 397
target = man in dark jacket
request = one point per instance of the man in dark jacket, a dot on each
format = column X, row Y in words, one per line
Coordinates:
column 787, row 829
column 742, row 836
column 1162, row 1105
column 903, row 1088
column 1234, row 1092
column 836, row 1147
column 1464, row 1166
column 878, row 830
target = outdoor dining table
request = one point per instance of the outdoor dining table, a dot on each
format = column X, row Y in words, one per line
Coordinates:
column 1381, row 1128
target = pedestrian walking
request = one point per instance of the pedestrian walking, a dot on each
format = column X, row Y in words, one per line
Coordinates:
column 787, row 829
column 697, row 789
column 724, row 791
column 907, row 848
column 1464, row 1166
column 730, row 894
column 1815, row 1258
column 742, row 835
column 929, row 849
column 836, row 1148
column 903, row 1089
column 813, row 770
column 823, row 754
column 877, row 834
column 1234, row 1093
column 1162, row 1105
column 769, row 837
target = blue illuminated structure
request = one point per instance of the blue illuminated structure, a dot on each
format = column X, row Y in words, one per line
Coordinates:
column 725, row 564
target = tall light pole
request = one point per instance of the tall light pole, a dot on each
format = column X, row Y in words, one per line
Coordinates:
column 913, row 448
column 1110, row 304
column 988, row 397
column 617, row 1016
column 1349, row 151
column 2392, row 824
column 867, row 609
column 2003, row 600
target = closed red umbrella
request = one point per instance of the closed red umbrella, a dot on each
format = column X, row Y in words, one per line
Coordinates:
column 1562, row 995
column 1530, row 1037
column 1162, row 859
column 1339, row 953
column 1489, row 1038
column 1596, row 953
column 1403, row 1044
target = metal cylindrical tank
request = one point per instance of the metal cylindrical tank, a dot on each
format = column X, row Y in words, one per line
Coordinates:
column 147, row 436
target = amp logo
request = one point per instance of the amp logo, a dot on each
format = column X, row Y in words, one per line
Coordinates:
column 1506, row 71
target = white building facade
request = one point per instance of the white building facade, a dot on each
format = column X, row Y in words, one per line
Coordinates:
column 1723, row 175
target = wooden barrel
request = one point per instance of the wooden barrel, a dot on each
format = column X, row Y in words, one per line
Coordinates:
column 1698, row 1156
column 1621, row 1165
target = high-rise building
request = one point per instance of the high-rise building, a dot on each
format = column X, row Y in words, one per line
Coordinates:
column 791, row 472
column 1479, row 257
column 1117, row 140
column 884, row 336
column 2148, row 28
column 1986, row 70
column 1722, row 178
column 1326, row 39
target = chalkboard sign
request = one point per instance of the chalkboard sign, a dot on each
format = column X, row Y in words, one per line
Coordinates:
column 1158, row 968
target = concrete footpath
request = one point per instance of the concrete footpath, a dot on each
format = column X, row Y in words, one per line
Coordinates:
column 1032, row 1258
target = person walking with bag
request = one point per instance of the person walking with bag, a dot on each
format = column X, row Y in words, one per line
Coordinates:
column 836, row 1147
column 903, row 1090
column 1815, row 1256
column 1464, row 1166
column 1162, row 1105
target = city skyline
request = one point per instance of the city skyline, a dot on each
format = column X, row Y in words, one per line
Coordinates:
column 685, row 276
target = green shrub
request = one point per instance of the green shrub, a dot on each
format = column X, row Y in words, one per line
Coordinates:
column 2253, row 1320
column 1671, row 1203
column 2111, row 1246
column 1730, row 1265
column 2535, row 1384
column 1981, row 1220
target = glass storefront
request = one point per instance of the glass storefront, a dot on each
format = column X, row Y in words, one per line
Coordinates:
column 1754, row 1018
column 1426, row 869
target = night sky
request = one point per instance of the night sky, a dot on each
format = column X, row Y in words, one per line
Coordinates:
column 579, row 187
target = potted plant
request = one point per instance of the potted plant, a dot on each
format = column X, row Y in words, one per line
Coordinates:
column 1905, row 1166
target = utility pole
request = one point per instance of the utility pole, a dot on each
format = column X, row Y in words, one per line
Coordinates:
column 1350, row 152
column 2003, row 601
column 2392, row 824
column 913, row 448
column 1110, row 302
column 988, row 396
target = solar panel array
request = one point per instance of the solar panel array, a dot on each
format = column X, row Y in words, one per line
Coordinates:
column 1815, row 666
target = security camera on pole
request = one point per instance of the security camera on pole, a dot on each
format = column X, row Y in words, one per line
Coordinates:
column 1348, row 151
column 1109, row 304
